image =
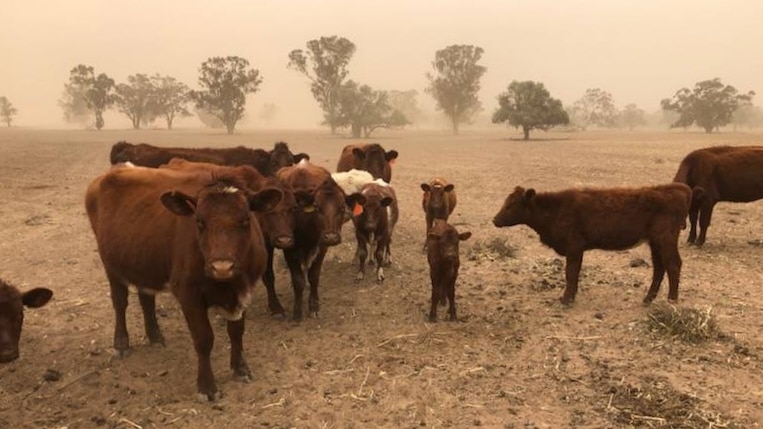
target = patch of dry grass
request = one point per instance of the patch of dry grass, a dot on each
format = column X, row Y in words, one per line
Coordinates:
column 496, row 248
column 690, row 325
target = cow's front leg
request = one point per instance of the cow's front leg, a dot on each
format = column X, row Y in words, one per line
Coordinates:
column 382, row 244
column 314, row 278
column 572, row 274
column 362, row 254
column 195, row 313
column 237, row 361
column 269, row 278
column 294, row 261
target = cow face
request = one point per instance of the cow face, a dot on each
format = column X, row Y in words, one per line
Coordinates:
column 374, row 204
column 437, row 195
column 281, row 157
column 516, row 208
column 12, row 304
column 373, row 159
column 327, row 204
column 443, row 241
column 223, row 216
column 279, row 223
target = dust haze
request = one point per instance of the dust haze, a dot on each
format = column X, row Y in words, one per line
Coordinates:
column 640, row 52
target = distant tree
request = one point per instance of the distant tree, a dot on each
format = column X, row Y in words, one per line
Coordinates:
column 456, row 82
column 7, row 111
column 748, row 115
column 325, row 64
column 529, row 105
column 135, row 99
column 406, row 102
column 226, row 82
column 364, row 110
column 631, row 116
column 268, row 113
column 209, row 119
column 596, row 107
column 74, row 105
column 170, row 98
column 96, row 91
column 710, row 105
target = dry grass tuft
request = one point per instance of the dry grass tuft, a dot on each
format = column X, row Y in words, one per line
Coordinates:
column 690, row 325
column 493, row 249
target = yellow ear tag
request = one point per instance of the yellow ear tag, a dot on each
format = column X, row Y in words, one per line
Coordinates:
column 309, row 209
column 357, row 210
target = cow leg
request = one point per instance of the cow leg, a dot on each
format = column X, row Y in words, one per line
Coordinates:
column 195, row 313
column 436, row 292
column 314, row 277
column 382, row 243
column 428, row 223
column 671, row 259
column 294, row 261
column 237, row 362
column 705, row 214
column 452, row 298
column 572, row 274
column 148, row 305
column 693, row 216
column 269, row 278
column 658, row 272
column 362, row 254
column 119, row 302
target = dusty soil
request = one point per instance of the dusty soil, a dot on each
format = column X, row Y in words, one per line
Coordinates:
column 515, row 359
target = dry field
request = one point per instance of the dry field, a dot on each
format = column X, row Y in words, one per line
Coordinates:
column 515, row 359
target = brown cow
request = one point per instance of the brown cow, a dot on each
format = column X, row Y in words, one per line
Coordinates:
column 576, row 220
column 266, row 162
column 438, row 201
column 192, row 233
column 368, row 157
column 721, row 173
column 443, row 258
column 318, row 225
column 374, row 226
column 12, row 303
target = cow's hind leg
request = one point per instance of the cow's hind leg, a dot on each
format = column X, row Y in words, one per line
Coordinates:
column 658, row 272
column 693, row 217
column 572, row 274
column 119, row 302
column 237, row 362
column 671, row 259
column 452, row 298
column 705, row 214
column 148, row 305
column 436, row 292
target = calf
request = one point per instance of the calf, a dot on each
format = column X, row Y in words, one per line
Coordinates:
column 374, row 225
column 318, row 222
column 369, row 157
column 576, row 220
column 193, row 233
column 438, row 200
column 442, row 255
column 721, row 173
column 12, row 303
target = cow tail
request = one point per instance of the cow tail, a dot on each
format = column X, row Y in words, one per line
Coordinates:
column 682, row 175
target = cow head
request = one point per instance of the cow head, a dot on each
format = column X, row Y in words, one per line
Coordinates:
column 443, row 239
column 374, row 202
column 12, row 303
column 516, row 209
column 278, row 224
column 437, row 195
column 374, row 159
column 223, row 216
column 281, row 157
column 327, row 205
column 120, row 152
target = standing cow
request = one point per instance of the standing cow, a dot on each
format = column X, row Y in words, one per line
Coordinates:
column 374, row 224
column 444, row 261
column 576, row 220
column 369, row 157
column 721, row 173
column 438, row 200
column 192, row 233
column 12, row 303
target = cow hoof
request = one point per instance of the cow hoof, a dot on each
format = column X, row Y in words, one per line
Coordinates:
column 120, row 354
column 209, row 397
column 314, row 314
column 156, row 340
column 278, row 316
column 567, row 302
column 359, row 278
column 380, row 276
column 647, row 300
column 432, row 319
column 243, row 375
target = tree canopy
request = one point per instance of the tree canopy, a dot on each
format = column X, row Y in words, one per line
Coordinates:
column 7, row 111
column 596, row 107
column 364, row 110
column 226, row 82
column 710, row 105
column 169, row 99
column 85, row 87
column 406, row 102
column 456, row 82
column 530, row 106
column 134, row 99
column 325, row 62
column 631, row 116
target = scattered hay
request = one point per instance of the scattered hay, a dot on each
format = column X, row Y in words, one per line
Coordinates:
column 493, row 249
column 690, row 325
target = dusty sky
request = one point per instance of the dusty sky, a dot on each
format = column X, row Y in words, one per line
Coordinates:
column 640, row 51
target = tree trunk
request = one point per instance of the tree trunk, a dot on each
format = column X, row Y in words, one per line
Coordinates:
column 99, row 123
column 454, row 121
column 526, row 131
column 333, row 128
column 8, row 121
column 708, row 129
column 356, row 130
column 169, row 118
column 231, row 126
column 136, row 122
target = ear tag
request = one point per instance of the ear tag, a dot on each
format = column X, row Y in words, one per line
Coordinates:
column 357, row 210
column 309, row 208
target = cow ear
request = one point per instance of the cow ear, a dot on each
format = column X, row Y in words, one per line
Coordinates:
column 179, row 203
column 390, row 155
column 464, row 235
column 425, row 187
column 359, row 153
column 353, row 199
column 529, row 194
column 300, row 156
column 265, row 200
column 386, row 201
column 449, row 187
column 37, row 297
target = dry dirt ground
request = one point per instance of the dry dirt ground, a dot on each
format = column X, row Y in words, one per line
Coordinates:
column 515, row 359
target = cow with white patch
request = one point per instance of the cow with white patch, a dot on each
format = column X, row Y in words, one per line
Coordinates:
column 374, row 224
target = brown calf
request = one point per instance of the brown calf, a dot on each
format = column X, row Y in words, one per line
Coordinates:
column 576, row 220
column 192, row 233
column 721, row 173
column 368, row 157
column 438, row 200
column 374, row 225
column 443, row 257
column 266, row 162
column 318, row 222
column 12, row 303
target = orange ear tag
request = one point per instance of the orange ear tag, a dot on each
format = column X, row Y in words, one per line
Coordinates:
column 357, row 210
column 392, row 161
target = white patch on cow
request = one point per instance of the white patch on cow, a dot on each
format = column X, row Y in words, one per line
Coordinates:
column 148, row 291
column 129, row 164
column 230, row 190
column 303, row 163
column 243, row 303
column 308, row 262
column 381, row 182
column 352, row 181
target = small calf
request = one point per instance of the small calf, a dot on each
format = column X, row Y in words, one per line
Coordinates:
column 442, row 254
column 438, row 200
column 374, row 225
column 12, row 303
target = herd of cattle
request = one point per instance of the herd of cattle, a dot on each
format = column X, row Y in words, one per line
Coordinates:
column 204, row 224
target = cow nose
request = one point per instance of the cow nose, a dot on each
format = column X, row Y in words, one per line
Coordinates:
column 9, row 356
column 283, row 242
column 222, row 269
column 331, row 238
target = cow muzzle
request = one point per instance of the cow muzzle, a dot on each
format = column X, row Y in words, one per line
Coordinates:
column 9, row 355
column 283, row 242
column 331, row 238
column 222, row 269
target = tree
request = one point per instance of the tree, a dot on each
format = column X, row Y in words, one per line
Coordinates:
column 748, row 115
column 456, row 82
column 227, row 81
column 135, row 99
column 710, row 105
column 529, row 105
column 364, row 110
column 96, row 91
column 74, row 105
column 268, row 113
column 596, row 107
column 406, row 102
column 7, row 111
column 170, row 98
column 325, row 64
column 632, row 116
column 209, row 119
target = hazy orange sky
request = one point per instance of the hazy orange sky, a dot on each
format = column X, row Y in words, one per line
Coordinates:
column 639, row 51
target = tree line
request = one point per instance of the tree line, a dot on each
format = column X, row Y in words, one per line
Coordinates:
column 454, row 84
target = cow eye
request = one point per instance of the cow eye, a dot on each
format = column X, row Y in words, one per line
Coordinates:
column 200, row 224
